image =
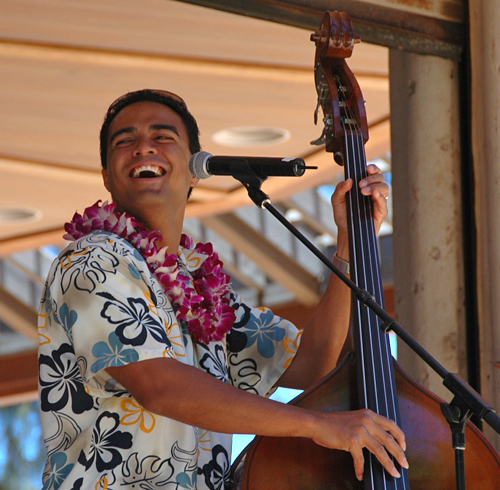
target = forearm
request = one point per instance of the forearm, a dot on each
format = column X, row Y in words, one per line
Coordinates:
column 193, row 397
column 324, row 334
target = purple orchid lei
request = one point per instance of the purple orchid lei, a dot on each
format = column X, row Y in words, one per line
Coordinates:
column 205, row 308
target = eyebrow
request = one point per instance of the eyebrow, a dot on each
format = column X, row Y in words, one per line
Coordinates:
column 132, row 129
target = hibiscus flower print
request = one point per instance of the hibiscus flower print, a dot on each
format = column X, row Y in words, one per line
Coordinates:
column 59, row 470
column 137, row 414
column 217, row 471
column 264, row 330
column 134, row 320
column 187, row 480
column 292, row 346
column 61, row 382
column 67, row 318
column 106, row 444
column 236, row 338
column 112, row 353
column 215, row 362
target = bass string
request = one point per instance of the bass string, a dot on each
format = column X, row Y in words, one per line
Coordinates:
column 379, row 389
column 366, row 267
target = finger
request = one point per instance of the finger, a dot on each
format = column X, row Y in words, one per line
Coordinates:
column 381, row 444
column 381, row 210
column 373, row 169
column 374, row 176
column 380, row 196
column 392, row 430
column 390, row 439
column 358, row 459
column 341, row 189
column 381, row 187
column 380, row 452
column 383, row 438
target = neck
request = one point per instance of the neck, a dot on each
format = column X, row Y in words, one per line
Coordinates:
column 168, row 223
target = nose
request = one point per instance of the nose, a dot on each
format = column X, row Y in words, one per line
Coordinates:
column 145, row 146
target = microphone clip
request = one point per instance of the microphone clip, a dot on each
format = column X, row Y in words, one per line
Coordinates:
column 252, row 182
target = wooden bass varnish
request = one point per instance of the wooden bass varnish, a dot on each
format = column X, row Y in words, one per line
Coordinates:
column 367, row 376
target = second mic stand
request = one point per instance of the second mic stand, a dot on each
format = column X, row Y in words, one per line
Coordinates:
column 466, row 401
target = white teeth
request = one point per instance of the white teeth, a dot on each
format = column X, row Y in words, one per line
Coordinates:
column 146, row 168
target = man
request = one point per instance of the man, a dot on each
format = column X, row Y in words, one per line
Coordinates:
column 149, row 362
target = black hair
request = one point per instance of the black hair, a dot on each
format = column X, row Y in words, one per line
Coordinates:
column 168, row 99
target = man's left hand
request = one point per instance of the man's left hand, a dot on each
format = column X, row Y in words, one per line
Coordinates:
column 373, row 185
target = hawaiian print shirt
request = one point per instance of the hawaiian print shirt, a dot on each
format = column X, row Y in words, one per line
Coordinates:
column 102, row 307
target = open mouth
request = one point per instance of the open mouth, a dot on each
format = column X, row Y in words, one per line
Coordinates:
column 147, row 172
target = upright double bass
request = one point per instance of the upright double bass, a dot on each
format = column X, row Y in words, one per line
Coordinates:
column 367, row 376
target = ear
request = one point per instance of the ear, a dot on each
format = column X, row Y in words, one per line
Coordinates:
column 105, row 179
column 194, row 181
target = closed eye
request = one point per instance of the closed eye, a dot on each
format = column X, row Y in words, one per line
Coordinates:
column 124, row 141
column 164, row 137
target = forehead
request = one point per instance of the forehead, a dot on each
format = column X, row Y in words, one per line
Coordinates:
column 144, row 115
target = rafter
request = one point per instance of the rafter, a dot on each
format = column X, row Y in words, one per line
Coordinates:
column 278, row 266
column 440, row 32
column 18, row 316
column 18, row 378
column 30, row 241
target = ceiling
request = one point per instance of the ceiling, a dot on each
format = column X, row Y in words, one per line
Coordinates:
column 62, row 63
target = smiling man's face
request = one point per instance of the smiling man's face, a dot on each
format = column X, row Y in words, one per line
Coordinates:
column 148, row 158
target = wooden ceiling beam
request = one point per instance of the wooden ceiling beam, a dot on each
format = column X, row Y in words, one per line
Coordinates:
column 247, row 281
column 209, row 202
column 18, row 316
column 276, row 264
column 30, row 241
column 440, row 32
column 308, row 219
column 144, row 60
column 18, row 378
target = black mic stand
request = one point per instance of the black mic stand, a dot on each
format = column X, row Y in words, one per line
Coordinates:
column 466, row 401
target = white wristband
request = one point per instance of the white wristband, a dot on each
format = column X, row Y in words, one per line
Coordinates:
column 341, row 264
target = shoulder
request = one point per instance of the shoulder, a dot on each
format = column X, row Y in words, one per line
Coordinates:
column 99, row 245
column 96, row 258
column 103, row 240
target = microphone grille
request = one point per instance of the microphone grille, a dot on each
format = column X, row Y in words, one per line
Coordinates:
column 198, row 164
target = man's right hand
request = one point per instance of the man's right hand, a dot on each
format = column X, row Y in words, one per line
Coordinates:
column 353, row 431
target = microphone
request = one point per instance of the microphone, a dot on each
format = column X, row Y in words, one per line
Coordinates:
column 203, row 165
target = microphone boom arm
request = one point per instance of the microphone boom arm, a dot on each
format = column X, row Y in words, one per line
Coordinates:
column 466, row 401
column 242, row 172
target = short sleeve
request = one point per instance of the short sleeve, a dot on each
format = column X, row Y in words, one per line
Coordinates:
column 261, row 347
column 103, row 298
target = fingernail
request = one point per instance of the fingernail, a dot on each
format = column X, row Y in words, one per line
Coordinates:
column 405, row 464
column 395, row 473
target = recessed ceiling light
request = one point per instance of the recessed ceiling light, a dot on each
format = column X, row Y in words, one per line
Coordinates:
column 251, row 136
column 13, row 215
